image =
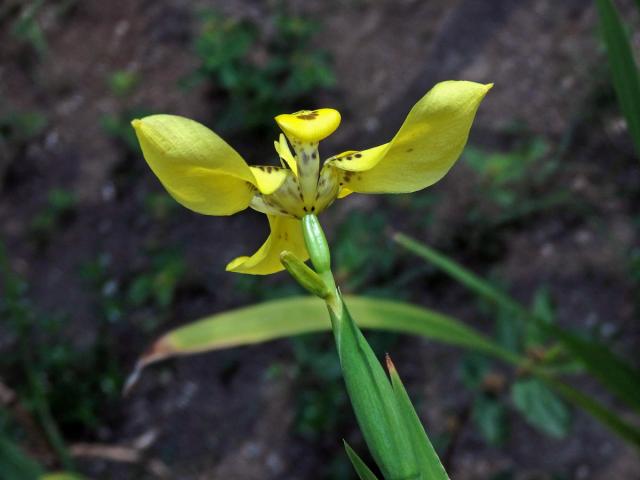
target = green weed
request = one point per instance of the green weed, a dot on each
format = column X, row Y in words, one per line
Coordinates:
column 512, row 184
column 260, row 75
column 157, row 285
column 24, row 25
column 59, row 208
column 495, row 393
column 123, row 82
column 118, row 127
column 364, row 262
column 74, row 385
column 21, row 127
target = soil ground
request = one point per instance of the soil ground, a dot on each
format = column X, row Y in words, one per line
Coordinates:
column 221, row 415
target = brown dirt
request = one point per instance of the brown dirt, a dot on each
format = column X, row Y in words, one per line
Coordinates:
column 208, row 423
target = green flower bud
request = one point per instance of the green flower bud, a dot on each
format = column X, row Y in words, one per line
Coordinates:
column 306, row 277
column 316, row 244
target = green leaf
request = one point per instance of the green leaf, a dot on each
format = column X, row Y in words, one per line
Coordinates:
column 374, row 403
column 428, row 461
column 473, row 369
column 490, row 417
column 613, row 372
column 602, row 413
column 364, row 473
column 299, row 315
column 541, row 407
column 624, row 71
column 508, row 332
column 543, row 309
column 459, row 273
column 61, row 476
column 14, row 463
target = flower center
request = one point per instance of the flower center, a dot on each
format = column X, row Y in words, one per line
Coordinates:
column 307, row 188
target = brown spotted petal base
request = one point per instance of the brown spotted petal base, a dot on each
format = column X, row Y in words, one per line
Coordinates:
column 311, row 190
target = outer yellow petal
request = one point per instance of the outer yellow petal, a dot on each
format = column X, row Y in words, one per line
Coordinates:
column 198, row 168
column 286, row 234
column 427, row 145
column 309, row 125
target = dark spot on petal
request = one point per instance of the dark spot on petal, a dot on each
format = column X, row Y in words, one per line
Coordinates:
column 313, row 209
column 409, row 150
column 305, row 209
column 348, row 158
column 308, row 116
column 358, row 155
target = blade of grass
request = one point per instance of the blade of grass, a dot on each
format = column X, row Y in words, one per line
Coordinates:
column 298, row 315
column 14, row 463
column 459, row 273
column 598, row 411
column 624, row 71
column 430, row 465
column 613, row 372
column 364, row 473
column 374, row 402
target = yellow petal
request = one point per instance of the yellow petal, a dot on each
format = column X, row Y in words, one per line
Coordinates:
column 269, row 178
column 344, row 192
column 309, row 125
column 286, row 234
column 285, row 154
column 198, row 168
column 427, row 145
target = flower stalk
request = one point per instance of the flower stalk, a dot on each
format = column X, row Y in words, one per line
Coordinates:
column 386, row 417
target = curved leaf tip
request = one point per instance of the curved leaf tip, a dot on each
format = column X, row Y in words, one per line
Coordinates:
column 158, row 351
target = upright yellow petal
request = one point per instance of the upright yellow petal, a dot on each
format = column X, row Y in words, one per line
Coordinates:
column 199, row 169
column 427, row 145
column 282, row 148
column 286, row 234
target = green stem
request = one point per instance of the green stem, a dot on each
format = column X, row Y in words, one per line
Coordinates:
column 372, row 396
column 320, row 256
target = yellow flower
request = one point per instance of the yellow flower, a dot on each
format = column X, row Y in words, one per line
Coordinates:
column 203, row 173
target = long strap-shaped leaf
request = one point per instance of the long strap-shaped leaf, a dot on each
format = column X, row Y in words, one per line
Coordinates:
column 624, row 71
column 298, row 315
column 613, row 372
column 364, row 472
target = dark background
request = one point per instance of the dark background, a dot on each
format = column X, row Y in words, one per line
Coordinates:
column 98, row 261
